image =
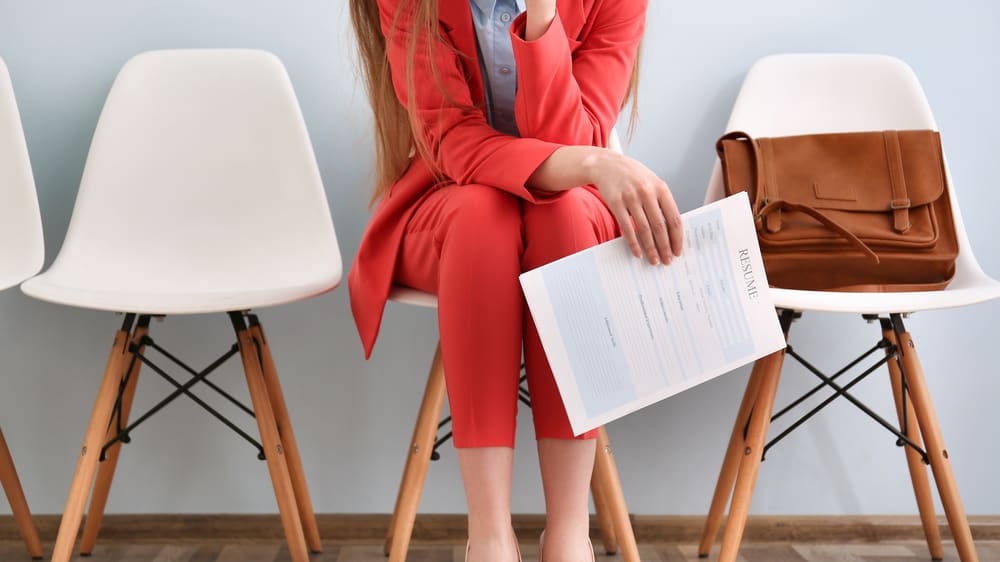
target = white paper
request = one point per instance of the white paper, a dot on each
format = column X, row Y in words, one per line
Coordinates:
column 621, row 334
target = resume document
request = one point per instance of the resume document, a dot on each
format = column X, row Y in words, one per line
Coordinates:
column 621, row 334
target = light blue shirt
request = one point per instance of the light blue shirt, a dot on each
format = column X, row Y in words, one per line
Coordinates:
column 492, row 19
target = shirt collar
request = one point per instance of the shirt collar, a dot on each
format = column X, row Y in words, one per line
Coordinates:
column 486, row 6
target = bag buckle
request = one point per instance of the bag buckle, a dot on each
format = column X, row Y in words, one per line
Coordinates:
column 896, row 206
column 758, row 217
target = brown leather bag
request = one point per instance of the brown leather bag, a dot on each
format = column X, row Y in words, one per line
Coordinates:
column 865, row 211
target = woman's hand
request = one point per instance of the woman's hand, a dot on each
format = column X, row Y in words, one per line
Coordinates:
column 636, row 195
column 639, row 200
column 540, row 15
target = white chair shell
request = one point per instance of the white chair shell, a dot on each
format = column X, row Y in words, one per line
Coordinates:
column 201, row 193
column 828, row 93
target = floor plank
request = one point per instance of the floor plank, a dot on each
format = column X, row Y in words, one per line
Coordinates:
column 273, row 551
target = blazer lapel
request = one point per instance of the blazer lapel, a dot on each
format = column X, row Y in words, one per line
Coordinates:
column 456, row 17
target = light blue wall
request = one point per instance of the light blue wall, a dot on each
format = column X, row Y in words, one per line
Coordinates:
column 354, row 418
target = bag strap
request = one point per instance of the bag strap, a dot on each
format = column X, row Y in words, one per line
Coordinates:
column 769, row 182
column 762, row 187
column 825, row 220
column 900, row 203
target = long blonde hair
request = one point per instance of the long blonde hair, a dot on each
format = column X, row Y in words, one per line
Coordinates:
column 395, row 142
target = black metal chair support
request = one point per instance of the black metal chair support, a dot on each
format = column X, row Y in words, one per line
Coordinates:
column 894, row 322
column 123, row 434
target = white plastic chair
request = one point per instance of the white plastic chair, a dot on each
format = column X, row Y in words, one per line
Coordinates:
column 22, row 252
column 609, row 501
column 805, row 93
column 201, row 194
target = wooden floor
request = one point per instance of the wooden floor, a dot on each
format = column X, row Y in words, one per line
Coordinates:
column 113, row 551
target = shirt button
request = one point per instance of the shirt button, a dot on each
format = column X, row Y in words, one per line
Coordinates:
column 505, row 17
column 505, row 70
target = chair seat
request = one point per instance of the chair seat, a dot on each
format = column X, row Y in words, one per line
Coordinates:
column 8, row 280
column 204, row 300
column 957, row 294
column 406, row 295
column 15, row 269
column 961, row 292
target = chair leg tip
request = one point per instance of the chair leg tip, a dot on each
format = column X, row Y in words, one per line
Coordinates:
column 702, row 555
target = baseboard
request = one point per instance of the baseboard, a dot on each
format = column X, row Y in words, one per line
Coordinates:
column 434, row 528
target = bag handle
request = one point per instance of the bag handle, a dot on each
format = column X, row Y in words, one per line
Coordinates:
column 825, row 220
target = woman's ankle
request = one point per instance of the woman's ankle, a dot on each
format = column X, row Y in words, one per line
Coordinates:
column 491, row 544
column 566, row 543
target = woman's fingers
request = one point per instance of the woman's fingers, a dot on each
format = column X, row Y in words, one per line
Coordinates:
column 659, row 228
column 644, row 231
column 621, row 215
column 672, row 220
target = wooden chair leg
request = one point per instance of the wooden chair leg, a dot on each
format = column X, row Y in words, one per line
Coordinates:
column 918, row 472
column 86, row 465
column 730, row 465
column 605, row 522
column 936, row 451
column 18, row 504
column 760, row 421
column 106, row 470
column 292, row 458
column 417, row 459
column 607, row 472
column 274, row 450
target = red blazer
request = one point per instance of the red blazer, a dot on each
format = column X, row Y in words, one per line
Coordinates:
column 570, row 85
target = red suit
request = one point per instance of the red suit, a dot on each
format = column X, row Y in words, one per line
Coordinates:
column 468, row 242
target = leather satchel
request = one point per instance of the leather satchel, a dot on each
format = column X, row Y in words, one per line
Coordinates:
column 865, row 211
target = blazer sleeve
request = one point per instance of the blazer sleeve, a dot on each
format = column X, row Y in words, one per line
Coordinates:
column 462, row 143
column 574, row 97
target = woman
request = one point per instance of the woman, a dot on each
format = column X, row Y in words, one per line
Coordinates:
column 489, row 115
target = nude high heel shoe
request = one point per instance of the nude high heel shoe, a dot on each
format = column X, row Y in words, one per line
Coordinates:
column 541, row 546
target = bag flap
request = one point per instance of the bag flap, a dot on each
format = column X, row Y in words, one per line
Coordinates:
column 845, row 171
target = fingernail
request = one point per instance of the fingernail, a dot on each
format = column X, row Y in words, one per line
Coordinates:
column 655, row 260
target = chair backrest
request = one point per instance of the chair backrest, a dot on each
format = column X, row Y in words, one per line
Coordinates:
column 615, row 143
column 200, row 175
column 794, row 94
column 22, row 249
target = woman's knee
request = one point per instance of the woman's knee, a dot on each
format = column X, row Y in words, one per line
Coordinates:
column 482, row 217
column 576, row 220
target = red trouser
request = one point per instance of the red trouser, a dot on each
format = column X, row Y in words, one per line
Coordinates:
column 468, row 244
